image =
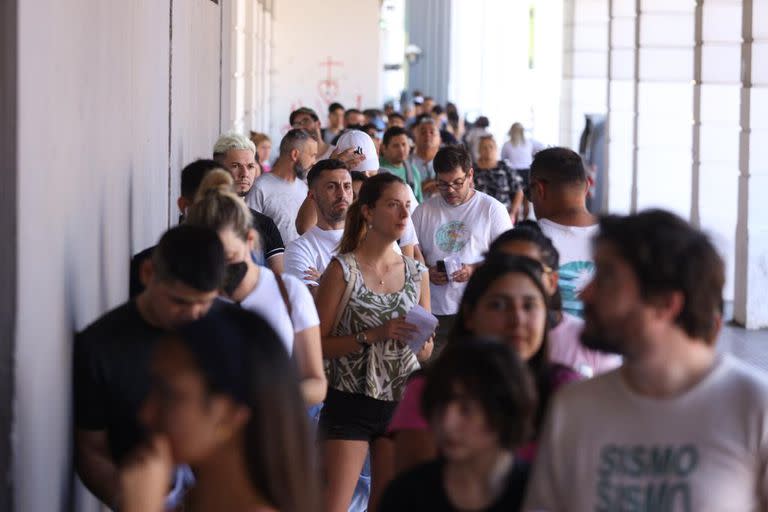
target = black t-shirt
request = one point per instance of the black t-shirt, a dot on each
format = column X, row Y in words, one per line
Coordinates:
column 270, row 235
column 421, row 488
column 112, row 377
column 272, row 244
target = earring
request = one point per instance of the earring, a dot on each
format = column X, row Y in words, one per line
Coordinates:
column 370, row 226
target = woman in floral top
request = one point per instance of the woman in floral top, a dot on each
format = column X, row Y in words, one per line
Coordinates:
column 496, row 178
column 362, row 301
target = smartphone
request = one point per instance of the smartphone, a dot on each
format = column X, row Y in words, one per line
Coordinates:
column 441, row 266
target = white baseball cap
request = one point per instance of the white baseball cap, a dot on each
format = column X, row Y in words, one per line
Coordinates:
column 362, row 144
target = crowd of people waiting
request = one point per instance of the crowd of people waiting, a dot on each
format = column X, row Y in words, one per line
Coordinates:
column 395, row 315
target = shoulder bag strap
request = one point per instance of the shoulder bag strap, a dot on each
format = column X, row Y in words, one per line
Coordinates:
column 352, row 263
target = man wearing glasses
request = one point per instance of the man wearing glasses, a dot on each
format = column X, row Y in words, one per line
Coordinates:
column 455, row 229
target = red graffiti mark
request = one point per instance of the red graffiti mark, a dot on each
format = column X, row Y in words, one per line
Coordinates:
column 328, row 88
column 359, row 102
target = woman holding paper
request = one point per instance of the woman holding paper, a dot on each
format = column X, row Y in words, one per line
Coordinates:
column 363, row 299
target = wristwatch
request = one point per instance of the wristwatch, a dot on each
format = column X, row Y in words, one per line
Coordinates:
column 361, row 338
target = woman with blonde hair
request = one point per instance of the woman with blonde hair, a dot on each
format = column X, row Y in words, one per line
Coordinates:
column 363, row 299
column 518, row 151
column 283, row 301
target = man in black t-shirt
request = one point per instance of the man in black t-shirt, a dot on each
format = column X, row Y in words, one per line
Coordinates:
column 191, row 177
column 112, row 355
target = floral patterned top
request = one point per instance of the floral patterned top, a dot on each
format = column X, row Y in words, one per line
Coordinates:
column 501, row 182
column 379, row 371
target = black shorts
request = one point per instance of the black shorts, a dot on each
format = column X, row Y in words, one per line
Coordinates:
column 354, row 417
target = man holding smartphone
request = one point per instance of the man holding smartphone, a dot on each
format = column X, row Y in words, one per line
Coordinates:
column 455, row 229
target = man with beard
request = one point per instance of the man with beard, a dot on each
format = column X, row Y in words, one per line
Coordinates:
column 455, row 229
column 237, row 153
column 330, row 190
column 679, row 427
column 280, row 193
column 270, row 241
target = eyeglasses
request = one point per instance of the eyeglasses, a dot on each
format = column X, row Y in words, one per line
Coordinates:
column 455, row 184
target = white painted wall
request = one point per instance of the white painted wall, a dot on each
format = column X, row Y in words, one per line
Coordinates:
column 93, row 187
column 306, row 35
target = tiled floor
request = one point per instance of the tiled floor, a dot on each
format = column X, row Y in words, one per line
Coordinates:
column 751, row 346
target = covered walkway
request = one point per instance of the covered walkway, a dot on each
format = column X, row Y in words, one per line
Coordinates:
column 102, row 102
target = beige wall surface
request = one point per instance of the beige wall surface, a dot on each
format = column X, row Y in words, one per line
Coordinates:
column 98, row 108
column 324, row 52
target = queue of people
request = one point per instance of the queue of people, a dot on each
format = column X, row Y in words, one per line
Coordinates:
column 371, row 323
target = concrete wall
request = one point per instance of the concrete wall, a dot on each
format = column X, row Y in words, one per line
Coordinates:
column 306, row 36
column 111, row 104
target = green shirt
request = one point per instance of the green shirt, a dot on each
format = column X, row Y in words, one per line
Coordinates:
column 401, row 172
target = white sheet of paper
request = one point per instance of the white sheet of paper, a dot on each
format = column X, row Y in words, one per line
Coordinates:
column 425, row 322
column 452, row 264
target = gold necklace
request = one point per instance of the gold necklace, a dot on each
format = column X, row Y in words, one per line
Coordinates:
column 378, row 276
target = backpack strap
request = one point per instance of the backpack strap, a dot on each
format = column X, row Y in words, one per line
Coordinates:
column 350, row 261
column 284, row 294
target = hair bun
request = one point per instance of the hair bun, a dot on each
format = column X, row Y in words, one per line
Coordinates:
column 217, row 181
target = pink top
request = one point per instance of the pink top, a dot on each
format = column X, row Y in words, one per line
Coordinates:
column 565, row 348
column 408, row 414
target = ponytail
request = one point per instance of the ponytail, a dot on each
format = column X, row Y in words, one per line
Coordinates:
column 354, row 229
column 217, row 206
column 216, row 180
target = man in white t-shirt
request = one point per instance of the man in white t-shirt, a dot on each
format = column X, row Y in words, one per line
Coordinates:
column 330, row 190
column 331, row 193
column 558, row 190
column 455, row 229
column 279, row 194
column 680, row 427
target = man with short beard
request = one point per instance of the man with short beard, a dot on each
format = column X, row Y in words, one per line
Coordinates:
column 280, row 193
column 680, row 426
column 330, row 190
column 237, row 153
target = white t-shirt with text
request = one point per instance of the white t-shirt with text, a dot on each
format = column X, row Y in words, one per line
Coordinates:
column 606, row 448
column 574, row 243
column 280, row 200
column 464, row 231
